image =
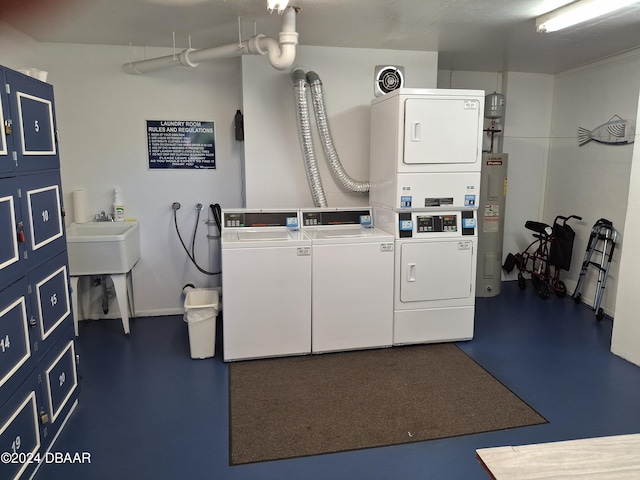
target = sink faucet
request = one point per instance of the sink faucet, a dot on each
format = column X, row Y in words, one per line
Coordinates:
column 103, row 217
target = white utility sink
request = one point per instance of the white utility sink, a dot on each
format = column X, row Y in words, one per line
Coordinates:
column 102, row 248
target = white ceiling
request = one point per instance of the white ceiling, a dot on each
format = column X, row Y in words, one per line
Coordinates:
column 474, row 35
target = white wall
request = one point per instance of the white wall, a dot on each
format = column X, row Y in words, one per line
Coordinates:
column 16, row 48
column 101, row 113
column 488, row 81
column 593, row 180
column 525, row 138
column 529, row 98
column 275, row 174
column 625, row 340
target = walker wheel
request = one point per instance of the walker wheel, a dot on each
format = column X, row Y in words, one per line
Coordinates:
column 577, row 298
column 522, row 283
column 543, row 290
column 536, row 281
column 561, row 289
column 600, row 314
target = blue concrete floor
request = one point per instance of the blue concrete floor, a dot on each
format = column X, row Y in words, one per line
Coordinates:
column 147, row 411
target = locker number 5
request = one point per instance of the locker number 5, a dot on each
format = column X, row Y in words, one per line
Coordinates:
column 36, row 126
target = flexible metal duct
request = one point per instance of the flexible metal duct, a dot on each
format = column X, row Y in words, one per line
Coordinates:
column 338, row 171
column 299, row 79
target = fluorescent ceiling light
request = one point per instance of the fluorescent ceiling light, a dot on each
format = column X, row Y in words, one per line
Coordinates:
column 578, row 12
column 279, row 5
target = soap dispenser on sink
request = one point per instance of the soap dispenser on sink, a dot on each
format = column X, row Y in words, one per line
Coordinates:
column 118, row 207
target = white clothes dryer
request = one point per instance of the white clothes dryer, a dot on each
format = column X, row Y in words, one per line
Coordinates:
column 266, row 284
column 426, row 148
column 435, row 274
column 352, row 280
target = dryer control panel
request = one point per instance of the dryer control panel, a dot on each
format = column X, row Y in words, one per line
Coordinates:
column 414, row 224
column 437, row 223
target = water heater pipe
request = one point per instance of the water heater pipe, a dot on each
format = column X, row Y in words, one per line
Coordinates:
column 281, row 53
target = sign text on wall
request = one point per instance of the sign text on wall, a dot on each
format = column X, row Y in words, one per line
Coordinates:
column 181, row 144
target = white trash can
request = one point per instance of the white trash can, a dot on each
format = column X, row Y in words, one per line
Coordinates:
column 200, row 312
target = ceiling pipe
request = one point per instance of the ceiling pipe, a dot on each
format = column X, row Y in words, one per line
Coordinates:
column 281, row 54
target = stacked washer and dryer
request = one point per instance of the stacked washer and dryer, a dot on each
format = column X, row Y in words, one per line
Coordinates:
column 426, row 156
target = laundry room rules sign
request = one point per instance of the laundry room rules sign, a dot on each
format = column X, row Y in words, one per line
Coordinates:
column 181, row 144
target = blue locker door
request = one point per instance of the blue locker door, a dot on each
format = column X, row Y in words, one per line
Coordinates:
column 20, row 432
column 50, row 299
column 11, row 249
column 60, row 379
column 6, row 145
column 41, row 207
column 33, row 119
column 16, row 359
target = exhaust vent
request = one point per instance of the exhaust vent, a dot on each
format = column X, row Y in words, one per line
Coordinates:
column 387, row 79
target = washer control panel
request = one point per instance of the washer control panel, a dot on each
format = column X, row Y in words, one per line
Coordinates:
column 316, row 217
column 257, row 219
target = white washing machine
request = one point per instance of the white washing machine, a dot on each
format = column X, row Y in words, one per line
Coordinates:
column 351, row 282
column 266, row 284
column 435, row 274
